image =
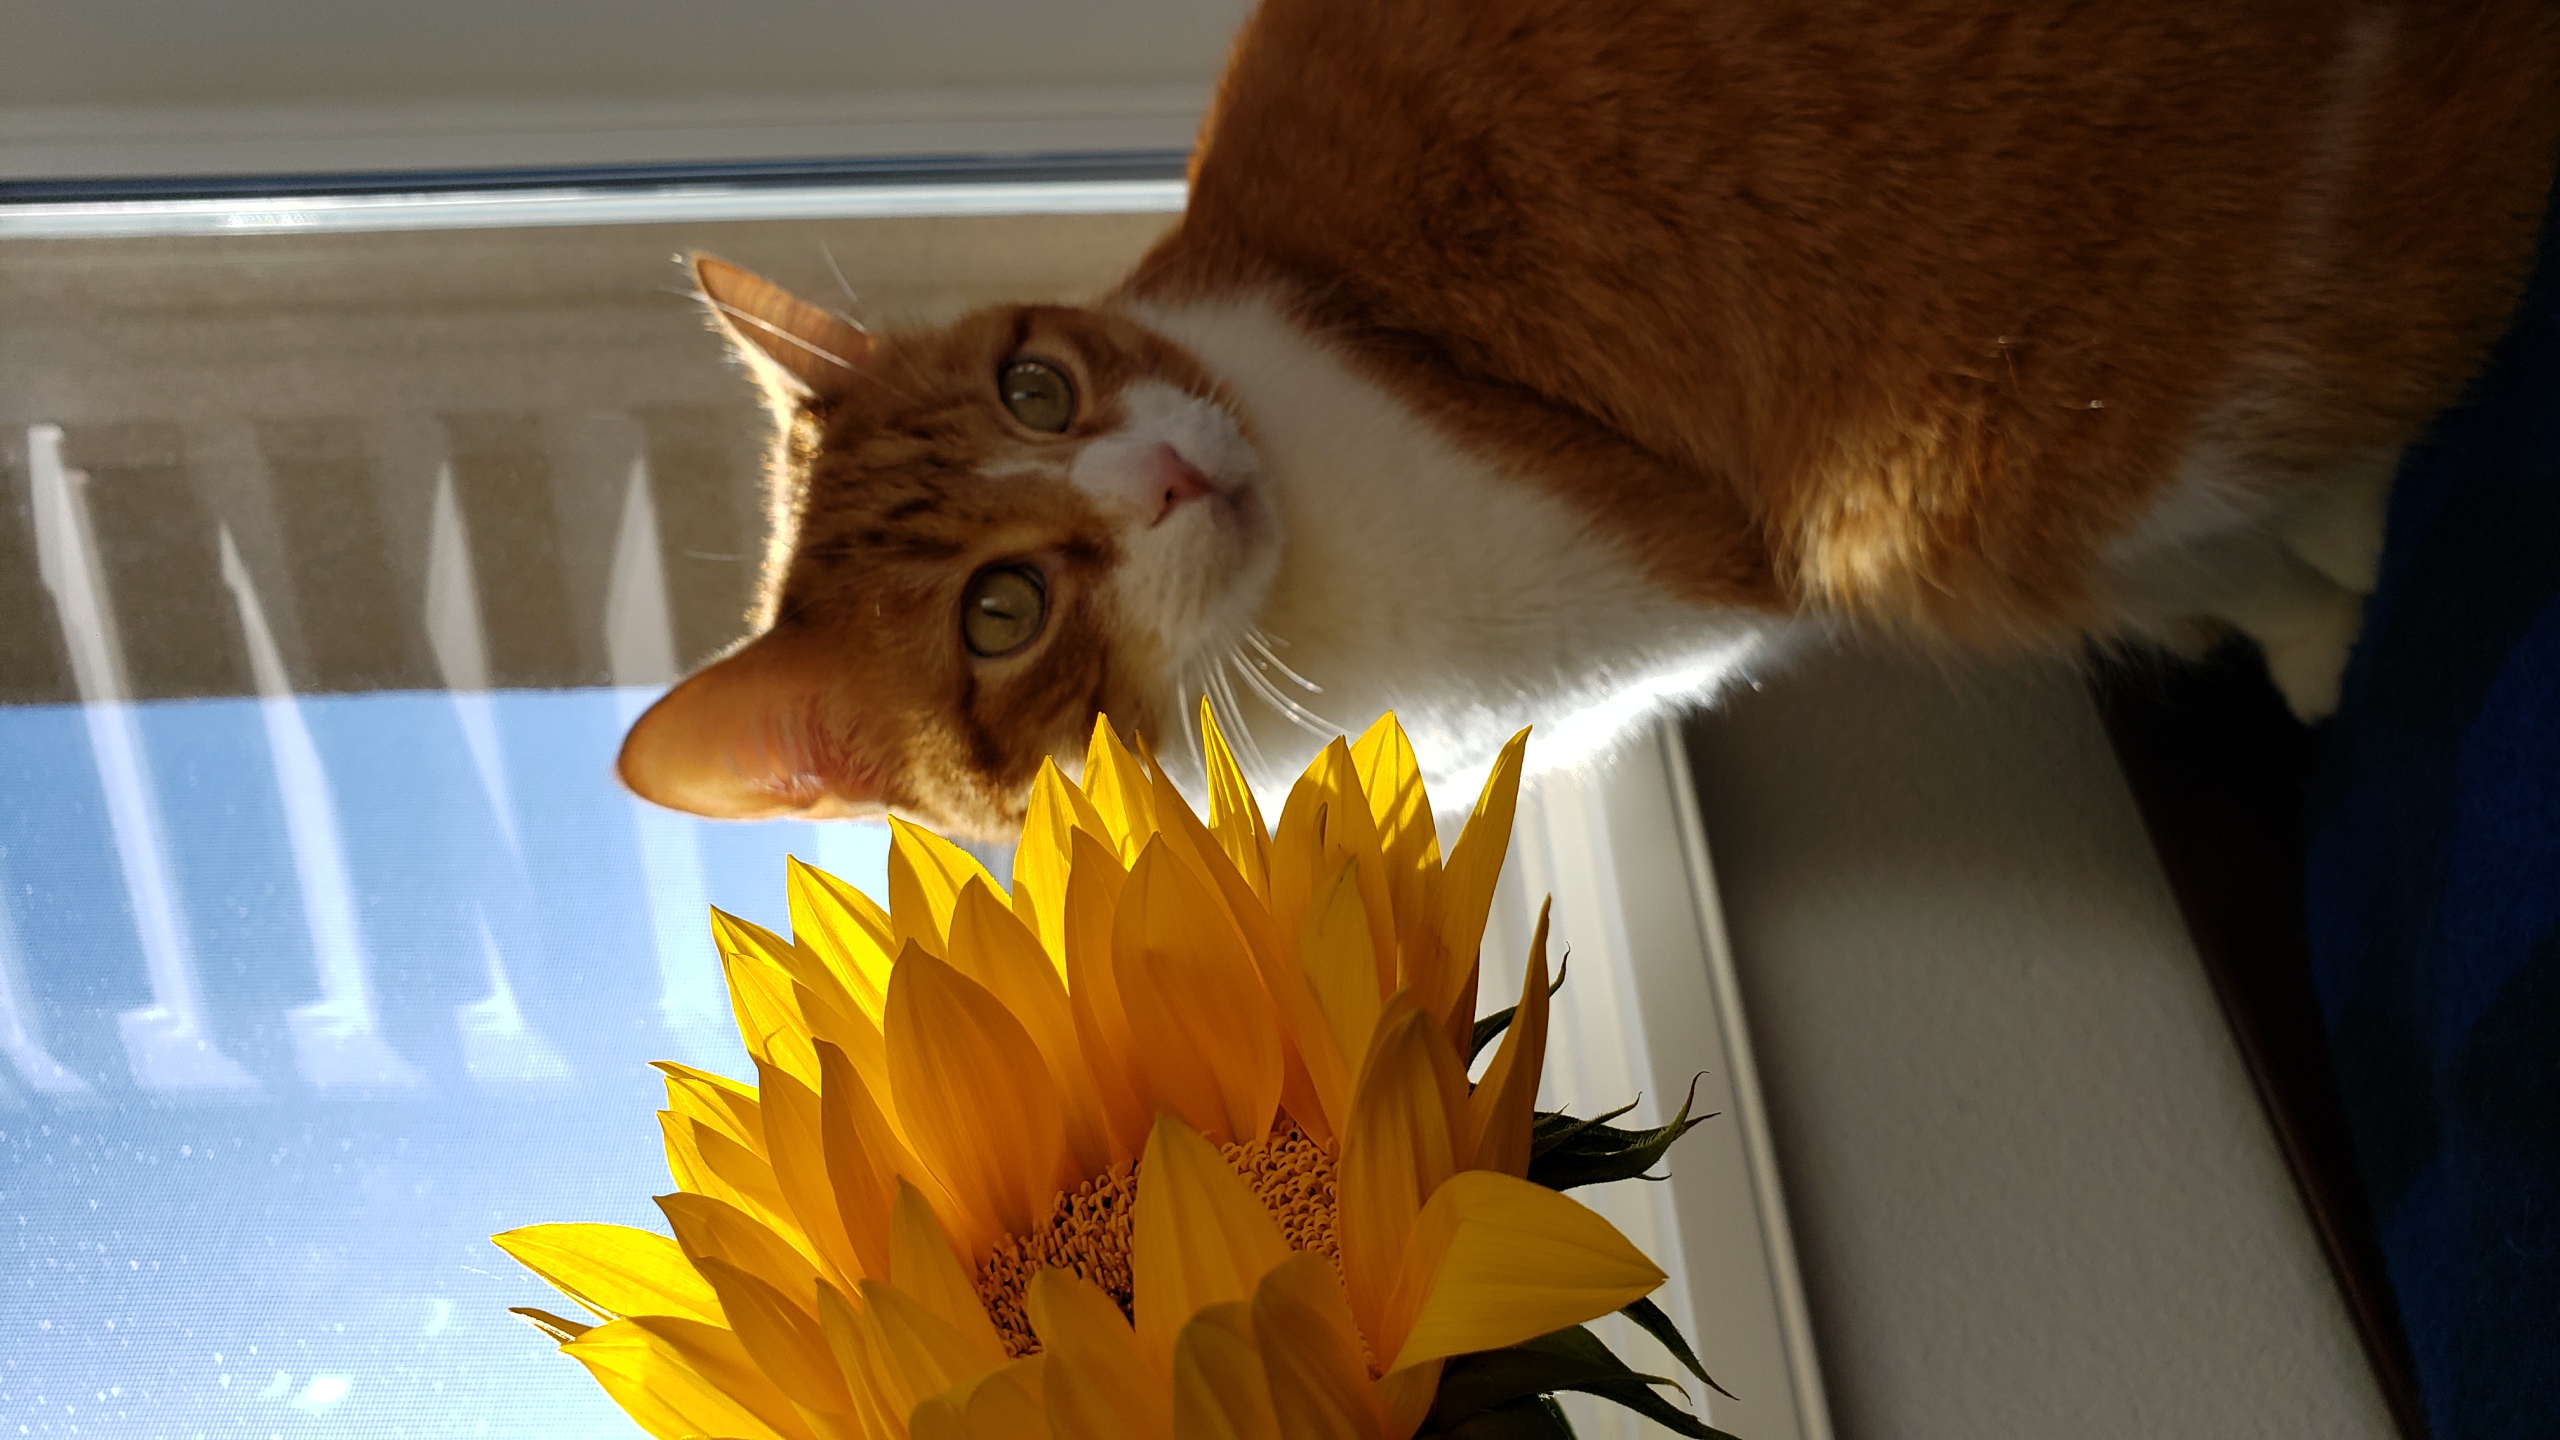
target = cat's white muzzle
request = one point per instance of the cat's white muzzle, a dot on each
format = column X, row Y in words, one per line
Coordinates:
column 1199, row 540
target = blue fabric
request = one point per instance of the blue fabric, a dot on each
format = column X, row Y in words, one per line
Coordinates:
column 2433, row 887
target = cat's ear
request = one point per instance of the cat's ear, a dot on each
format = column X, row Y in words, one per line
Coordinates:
column 752, row 737
column 798, row 349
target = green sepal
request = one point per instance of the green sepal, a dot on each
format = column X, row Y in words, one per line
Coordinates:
column 1537, row 1418
column 1565, row 1152
column 1490, row 1028
column 1494, row 1382
column 1650, row 1319
column 1552, row 1128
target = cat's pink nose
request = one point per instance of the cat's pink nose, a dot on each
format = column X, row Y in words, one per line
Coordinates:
column 1177, row 480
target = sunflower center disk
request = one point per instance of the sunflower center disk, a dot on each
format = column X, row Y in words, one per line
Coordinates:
column 1087, row 1231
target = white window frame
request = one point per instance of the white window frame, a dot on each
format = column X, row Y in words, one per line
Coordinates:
column 1650, row 1002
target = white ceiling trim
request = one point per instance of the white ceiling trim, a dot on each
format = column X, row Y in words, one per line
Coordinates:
column 490, row 209
column 128, row 141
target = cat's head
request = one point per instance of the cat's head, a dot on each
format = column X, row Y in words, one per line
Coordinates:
column 985, row 534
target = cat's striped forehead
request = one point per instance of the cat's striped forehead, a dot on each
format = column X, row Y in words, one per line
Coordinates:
column 914, row 480
column 985, row 535
column 921, row 465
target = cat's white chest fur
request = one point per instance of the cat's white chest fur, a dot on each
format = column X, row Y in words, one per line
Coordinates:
column 1416, row 574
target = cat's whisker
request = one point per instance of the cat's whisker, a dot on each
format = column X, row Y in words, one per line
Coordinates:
column 843, row 284
column 1239, row 730
column 1263, row 641
column 758, row 322
column 1278, row 699
column 1256, row 669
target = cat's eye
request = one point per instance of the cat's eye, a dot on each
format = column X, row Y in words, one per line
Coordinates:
column 1002, row 609
column 1038, row 395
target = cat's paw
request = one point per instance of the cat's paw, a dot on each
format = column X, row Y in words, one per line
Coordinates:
column 2308, row 631
column 2339, row 533
column 2307, row 646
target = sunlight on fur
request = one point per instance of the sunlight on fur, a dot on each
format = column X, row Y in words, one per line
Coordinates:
column 1507, row 367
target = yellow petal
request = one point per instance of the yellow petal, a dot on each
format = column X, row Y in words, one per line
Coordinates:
column 926, row 875
column 781, row 1337
column 707, row 1162
column 1496, row 1260
column 866, row 1162
column 1404, row 1397
column 1458, row 1014
column 1314, row 1111
column 1341, row 967
column 684, row 1158
column 1297, row 860
column 817, row 1003
column 1293, row 1005
column 1218, row 1389
column 1009, row 1403
column 1006, row 1403
column 795, row 1136
column 1205, row 1041
column 864, row 1159
column 795, row 998
column 714, row 1100
column 1198, row 1236
column 1391, row 776
column 892, row 1382
column 973, row 1093
column 1093, row 994
column 925, row 1265
column 1501, row 1113
column 1234, row 815
column 846, row 930
column 1326, row 822
column 1098, row 1383
column 825, row 992
column 1161, row 791
column 916, row 1355
column 761, row 993
column 711, row 1229
column 855, row 1341
column 1319, row 1381
column 931, row 1353
column 1180, row 832
column 614, row 1270
column 683, row 1378
column 990, row 945
column 1041, row 859
column 862, row 1039
column 1475, row 862
column 1119, row 791
column 939, row 1417
column 824, row 1002
column 560, row 1328
column 1399, row 1147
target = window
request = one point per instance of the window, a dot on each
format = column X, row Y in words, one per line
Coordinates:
column 337, row 561
column 341, row 539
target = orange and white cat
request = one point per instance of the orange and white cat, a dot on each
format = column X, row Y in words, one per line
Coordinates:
column 1538, row 360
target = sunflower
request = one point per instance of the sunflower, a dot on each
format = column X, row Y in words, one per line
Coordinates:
column 1171, row 1137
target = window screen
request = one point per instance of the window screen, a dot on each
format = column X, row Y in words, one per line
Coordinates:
column 333, row 566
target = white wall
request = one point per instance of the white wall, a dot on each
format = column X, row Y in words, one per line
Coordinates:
column 2033, row 1193
column 150, row 87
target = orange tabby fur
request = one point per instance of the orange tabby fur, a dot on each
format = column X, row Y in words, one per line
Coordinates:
column 828, row 715
column 1940, row 314
column 1908, row 306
